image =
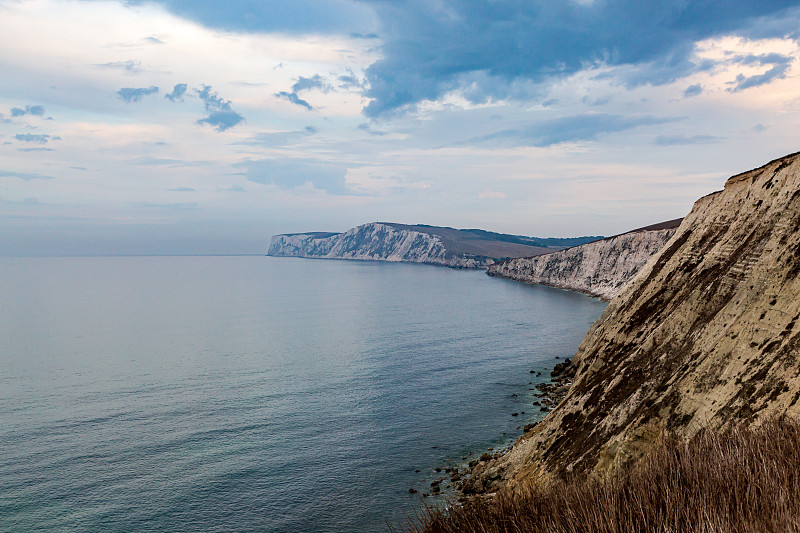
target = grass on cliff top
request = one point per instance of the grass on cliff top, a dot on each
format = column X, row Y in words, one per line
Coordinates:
column 743, row 480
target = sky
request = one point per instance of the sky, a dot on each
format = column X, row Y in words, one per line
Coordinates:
column 200, row 127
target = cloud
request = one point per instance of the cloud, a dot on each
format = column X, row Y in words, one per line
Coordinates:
column 584, row 127
column 314, row 82
column 693, row 90
column 293, row 98
column 220, row 114
column 183, row 189
column 278, row 138
column 135, row 94
column 305, row 84
column 350, row 81
column 290, row 173
column 232, row 188
column 34, row 138
column 35, row 150
column 158, row 161
column 676, row 140
column 153, row 40
column 134, row 67
column 433, row 48
column 357, row 35
column 24, row 176
column 179, row 206
column 366, row 127
column 177, row 93
column 299, row 16
column 36, row 110
column 779, row 66
column 494, row 195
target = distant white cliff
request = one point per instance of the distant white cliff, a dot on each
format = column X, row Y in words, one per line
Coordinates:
column 601, row 268
column 375, row 242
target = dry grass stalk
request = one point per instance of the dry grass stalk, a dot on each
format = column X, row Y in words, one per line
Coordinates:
column 738, row 481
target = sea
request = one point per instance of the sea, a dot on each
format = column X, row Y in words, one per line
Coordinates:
column 258, row 394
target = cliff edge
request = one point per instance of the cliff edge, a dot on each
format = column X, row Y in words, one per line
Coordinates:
column 706, row 335
column 600, row 268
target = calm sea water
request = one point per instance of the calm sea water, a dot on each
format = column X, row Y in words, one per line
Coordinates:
column 255, row 393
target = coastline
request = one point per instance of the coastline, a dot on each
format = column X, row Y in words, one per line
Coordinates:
column 463, row 479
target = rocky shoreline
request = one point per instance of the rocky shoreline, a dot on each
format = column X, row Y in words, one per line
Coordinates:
column 474, row 477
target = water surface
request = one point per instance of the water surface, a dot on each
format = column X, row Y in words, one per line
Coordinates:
column 255, row 393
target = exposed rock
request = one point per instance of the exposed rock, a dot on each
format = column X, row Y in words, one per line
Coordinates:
column 383, row 241
column 600, row 268
column 707, row 335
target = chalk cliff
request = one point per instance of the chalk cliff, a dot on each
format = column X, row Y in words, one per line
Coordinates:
column 379, row 241
column 376, row 242
column 600, row 268
column 706, row 335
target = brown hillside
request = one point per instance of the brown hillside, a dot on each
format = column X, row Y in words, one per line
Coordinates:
column 706, row 336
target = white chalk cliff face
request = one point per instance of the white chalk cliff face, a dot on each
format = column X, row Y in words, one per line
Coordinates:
column 374, row 242
column 600, row 268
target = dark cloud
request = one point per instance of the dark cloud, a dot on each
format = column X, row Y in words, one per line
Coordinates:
column 135, row 94
column 431, row 48
column 779, row 66
column 34, row 138
column 24, row 176
column 676, row 140
column 585, row 127
column 177, row 93
column 220, row 114
column 134, row 67
column 693, row 90
column 291, row 173
column 36, row 110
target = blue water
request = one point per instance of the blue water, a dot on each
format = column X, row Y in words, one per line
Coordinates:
column 255, row 393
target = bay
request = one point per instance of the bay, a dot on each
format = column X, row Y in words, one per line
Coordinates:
column 257, row 393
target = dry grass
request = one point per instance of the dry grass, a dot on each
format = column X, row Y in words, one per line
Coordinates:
column 743, row 480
